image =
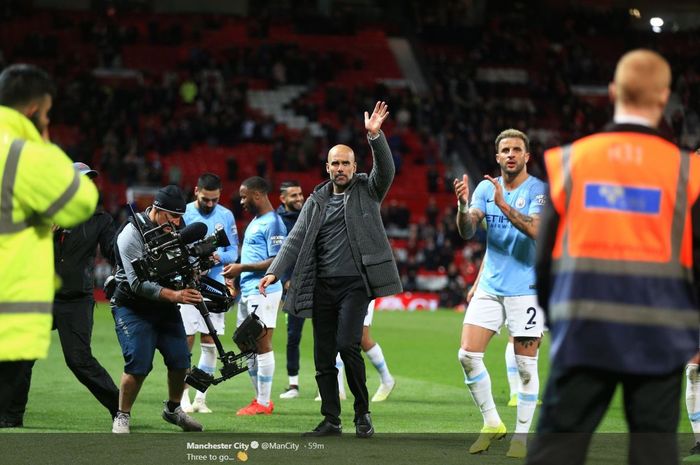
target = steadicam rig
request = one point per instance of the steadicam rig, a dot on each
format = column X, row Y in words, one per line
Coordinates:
column 179, row 260
column 245, row 337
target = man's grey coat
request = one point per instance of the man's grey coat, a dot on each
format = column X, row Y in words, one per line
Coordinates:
column 366, row 235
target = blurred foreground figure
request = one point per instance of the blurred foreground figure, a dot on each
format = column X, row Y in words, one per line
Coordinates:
column 617, row 266
column 38, row 188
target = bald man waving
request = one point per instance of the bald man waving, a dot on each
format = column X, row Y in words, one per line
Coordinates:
column 342, row 259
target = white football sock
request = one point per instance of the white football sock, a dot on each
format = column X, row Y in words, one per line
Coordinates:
column 185, row 401
column 477, row 379
column 294, row 380
column 266, row 370
column 253, row 372
column 512, row 369
column 528, row 390
column 692, row 398
column 341, row 374
column 376, row 356
column 207, row 363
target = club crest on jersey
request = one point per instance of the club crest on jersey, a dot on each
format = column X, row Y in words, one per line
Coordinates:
column 520, row 203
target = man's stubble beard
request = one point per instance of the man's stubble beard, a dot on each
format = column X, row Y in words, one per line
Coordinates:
column 34, row 118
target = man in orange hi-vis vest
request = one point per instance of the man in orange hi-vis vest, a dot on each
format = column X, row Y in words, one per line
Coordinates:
column 692, row 399
column 618, row 263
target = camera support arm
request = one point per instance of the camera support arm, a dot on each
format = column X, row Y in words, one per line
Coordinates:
column 204, row 311
column 233, row 364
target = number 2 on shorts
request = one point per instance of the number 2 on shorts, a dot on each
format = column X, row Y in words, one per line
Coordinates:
column 531, row 322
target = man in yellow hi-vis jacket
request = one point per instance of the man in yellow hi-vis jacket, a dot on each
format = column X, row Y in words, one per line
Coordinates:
column 38, row 188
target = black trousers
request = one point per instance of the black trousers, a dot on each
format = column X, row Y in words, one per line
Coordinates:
column 576, row 400
column 340, row 307
column 74, row 321
column 14, row 376
column 295, row 325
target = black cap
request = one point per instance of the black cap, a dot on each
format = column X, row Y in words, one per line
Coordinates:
column 170, row 199
column 85, row 169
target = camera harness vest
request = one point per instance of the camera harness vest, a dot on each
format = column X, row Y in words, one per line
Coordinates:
column 123, row 295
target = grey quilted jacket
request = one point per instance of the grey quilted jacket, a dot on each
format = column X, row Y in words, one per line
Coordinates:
column 367, row 238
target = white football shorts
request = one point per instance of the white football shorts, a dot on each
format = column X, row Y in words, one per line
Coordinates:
column 265, row 307
column 194, row 323
column 522, row 314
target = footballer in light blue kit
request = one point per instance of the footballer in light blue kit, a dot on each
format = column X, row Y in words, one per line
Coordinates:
column 206, row 209
column 261, row 242
column 509, row 268
column 510, row 205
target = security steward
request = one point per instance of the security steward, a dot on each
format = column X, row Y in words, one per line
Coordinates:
column 38, row 188
column 147, row 318
column 618, row 265
column 74, row 304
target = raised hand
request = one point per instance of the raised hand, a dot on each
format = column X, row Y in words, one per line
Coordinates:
column 374, row 123
column 462, row 189
column 498, row 198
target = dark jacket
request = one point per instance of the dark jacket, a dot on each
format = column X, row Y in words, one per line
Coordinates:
column 74, row 254
column 289, row 218
column 366, row 235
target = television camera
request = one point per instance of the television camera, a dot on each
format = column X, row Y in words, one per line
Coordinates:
column 179, row 260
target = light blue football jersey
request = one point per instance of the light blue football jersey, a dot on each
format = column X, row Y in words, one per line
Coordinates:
column 510, row 254
column 262, row 240
column 219, row 217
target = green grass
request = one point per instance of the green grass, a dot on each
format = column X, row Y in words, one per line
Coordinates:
column 420, row 348
column 430, row 408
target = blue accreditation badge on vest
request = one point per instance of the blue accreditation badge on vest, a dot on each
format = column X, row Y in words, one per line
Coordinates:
column 623, row 198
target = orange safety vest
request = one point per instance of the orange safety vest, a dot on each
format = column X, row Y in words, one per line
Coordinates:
column 622, row 286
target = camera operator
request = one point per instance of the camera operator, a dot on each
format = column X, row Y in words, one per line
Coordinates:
column 146, row 316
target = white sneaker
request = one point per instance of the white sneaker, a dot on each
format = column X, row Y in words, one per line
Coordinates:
column 199, row 406
column 383, row 391
column 292, row 392
column 120, row 425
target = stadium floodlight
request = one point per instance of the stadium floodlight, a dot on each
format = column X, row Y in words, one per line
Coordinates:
column 656, row 22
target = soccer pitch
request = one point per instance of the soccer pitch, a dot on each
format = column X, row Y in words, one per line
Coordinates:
column 420, row 349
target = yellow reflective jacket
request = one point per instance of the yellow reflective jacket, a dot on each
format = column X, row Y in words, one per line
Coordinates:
column 38, row 187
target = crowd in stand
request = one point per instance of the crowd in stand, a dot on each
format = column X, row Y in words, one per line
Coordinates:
column 128, row 125
column 559, row 51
